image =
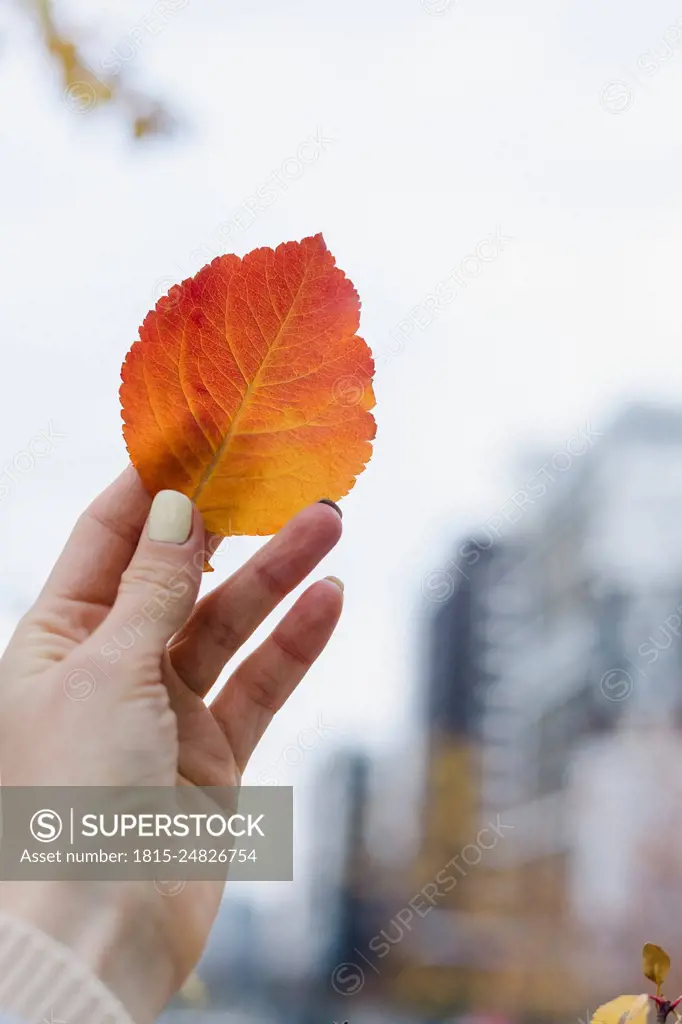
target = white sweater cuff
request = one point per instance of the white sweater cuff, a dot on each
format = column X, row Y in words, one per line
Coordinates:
column 44, row 982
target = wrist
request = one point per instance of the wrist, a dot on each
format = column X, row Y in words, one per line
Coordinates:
column 110, row 930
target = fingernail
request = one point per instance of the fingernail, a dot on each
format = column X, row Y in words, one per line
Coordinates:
column 170, row 518
column 332, row 504
column 336, row 581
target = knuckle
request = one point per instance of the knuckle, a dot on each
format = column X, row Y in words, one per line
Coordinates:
column 110, row 524
column 146, row 666
column 270, row 581
column 147, row 573
column 291, row 651
column 223, row 634
column 264, row 691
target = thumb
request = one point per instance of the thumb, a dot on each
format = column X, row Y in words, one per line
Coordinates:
column 159, row 588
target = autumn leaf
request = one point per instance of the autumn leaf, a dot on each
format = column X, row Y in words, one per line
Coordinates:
column 249, row 389
column 655, row 963
column 623, row 1010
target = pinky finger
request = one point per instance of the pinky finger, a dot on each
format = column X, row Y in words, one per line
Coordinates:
column 266, row 679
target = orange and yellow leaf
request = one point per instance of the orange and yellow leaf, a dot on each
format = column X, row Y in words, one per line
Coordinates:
column 250, row 390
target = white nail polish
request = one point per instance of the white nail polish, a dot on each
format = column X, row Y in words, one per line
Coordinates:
column 170, row 518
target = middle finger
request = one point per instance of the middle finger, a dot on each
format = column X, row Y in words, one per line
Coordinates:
column 224, row 619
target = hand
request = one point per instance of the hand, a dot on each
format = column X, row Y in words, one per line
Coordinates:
column 117, row 623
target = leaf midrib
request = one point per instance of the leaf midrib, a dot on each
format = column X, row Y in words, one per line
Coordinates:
column 221, row 450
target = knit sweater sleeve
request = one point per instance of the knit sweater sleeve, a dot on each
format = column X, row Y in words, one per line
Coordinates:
column 44, row 982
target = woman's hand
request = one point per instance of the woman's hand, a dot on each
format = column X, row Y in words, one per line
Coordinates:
column 103, row 684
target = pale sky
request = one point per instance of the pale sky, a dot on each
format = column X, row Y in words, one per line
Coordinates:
column 553, row 126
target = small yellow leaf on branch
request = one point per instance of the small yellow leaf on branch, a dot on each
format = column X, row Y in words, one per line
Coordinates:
column 655, row 964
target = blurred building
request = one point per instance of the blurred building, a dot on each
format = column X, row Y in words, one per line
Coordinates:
column 232, row 962
column 443, row 956
column 576, row 627
column 340, row 885
column 346, row 890
column 556, row 670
